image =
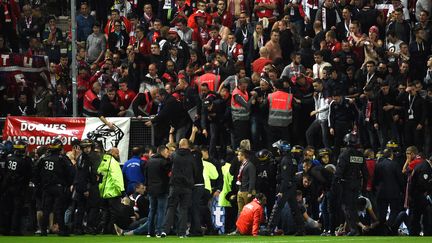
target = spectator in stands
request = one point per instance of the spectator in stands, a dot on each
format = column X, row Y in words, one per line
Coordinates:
column 85, row 23
column 118, row 39
column 52, row 39
column 110, row 104
column 29, row 26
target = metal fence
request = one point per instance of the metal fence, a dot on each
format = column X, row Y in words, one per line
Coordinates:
column 140, row 134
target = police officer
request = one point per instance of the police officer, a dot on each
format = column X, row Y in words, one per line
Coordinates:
column 420, row 190
column 16, row 179
column 286, row 190
column 54, row 175
column 85, row 185
column 266, row 177
column 350, row 171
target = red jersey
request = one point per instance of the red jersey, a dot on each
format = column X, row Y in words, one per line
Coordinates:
column 227, row 18
column 126, row 97
column 250, row 218
column 265, row 13
column 201, row 36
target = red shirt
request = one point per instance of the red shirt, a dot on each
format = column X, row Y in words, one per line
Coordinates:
column 267, row 13
column 250, row 218
column 227, row 18
column 201, row 36
column 125, row 98
column 370, row 165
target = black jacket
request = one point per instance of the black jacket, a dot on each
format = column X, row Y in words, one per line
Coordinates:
column 183, row 169
column 287, row 174
column 18, row 172
column 248, row 178
column 388, row 179
column 351, row 168
column 171, row 113
column 156, row 171
column 113, row 38
column 198, row 173
column 54, row 169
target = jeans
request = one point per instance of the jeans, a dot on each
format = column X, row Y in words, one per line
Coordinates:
column 182, row 131
column 157, row 209
column 314, row 128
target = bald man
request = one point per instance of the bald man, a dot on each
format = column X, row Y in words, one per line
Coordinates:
column 181, row 184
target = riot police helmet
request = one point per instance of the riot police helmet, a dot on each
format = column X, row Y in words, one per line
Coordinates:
column 282, row 146
column 351, row 139
column 263, row 155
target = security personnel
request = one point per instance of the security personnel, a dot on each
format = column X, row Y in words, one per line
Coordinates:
column 17, row 176
column 280, row 106
column 342, row 115
column 85, row 187
column 350, row 172
column 420, row 190
column 91, row 101
column 240, row 110
column 266, row 177
column 209, row 78
column 286, row 190
column 54, row 175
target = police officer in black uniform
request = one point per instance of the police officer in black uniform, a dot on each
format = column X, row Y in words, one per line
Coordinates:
column 18, row 169
column 351, row 171
column 86, row 192
column 54, row 175
column 420, row 190
column 286, row 190
column 266, row 177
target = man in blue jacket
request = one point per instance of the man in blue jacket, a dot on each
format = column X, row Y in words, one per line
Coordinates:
column 132, row 171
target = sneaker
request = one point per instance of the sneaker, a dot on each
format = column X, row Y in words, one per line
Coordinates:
column 118, row 230
column 182, row 236
column 149, row 236
column 38, row 232
column 353, row 233
column 235, row 232
column 163, row 235
column 158, row 236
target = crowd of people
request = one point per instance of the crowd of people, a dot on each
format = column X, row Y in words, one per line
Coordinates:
column 291, row 77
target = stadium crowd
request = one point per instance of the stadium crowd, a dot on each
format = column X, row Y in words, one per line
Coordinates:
column 318, row 104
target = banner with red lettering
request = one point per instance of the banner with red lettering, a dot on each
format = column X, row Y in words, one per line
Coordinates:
column 42, row 130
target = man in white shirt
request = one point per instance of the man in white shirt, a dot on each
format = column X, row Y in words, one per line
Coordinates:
column 321, row 113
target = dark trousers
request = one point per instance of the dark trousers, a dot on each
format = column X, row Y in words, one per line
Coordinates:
column 241, row 132
column 350, row 193
column 195, row 212
column 290, row 198
column 318, row 127
column 179, row 199
column 277, row 133
column 86, row 205
column 12, row 204
column 412, row 135
column 340, row 130
column 53, row 200
column 395, row 208
column 111, row 210
column 216, row 139
column 420, row 215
